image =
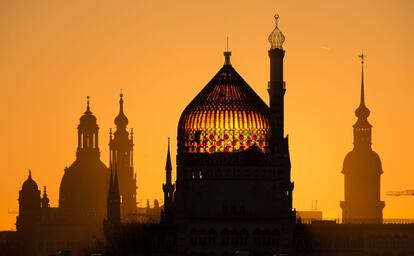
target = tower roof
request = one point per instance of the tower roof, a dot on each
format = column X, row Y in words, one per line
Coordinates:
column 226, row 116
column 276, row 38
column 29, row 184
column 87, row 119
column 362, row 112
column 121, row 121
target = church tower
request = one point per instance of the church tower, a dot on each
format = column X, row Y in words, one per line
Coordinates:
column 362, row 170
column 121, row 152
column 84, row 186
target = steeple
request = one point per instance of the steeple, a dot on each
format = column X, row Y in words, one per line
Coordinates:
column 362, row 171
column 362, row 127
column 121, row 152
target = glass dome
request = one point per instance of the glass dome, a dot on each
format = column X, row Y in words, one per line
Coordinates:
column 226, row 116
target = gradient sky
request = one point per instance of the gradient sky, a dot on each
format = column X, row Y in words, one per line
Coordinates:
column 162, row 53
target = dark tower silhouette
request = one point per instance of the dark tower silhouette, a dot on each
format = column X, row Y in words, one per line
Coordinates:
column 29, row 214
column 362, row 169
column 168, row 187
column 114, row 199
column 233, row 168
column 121, row 152
column 84, row 185
column 276, row 87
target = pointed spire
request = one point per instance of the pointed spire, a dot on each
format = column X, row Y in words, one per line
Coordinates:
column 30, row 174
column 362, row 111
column 168, row 166
column 121, row 102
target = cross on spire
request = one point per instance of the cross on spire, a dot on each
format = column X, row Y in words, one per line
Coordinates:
column 362, row 56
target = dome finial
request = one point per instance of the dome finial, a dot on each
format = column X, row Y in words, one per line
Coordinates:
column 88, row 109
column 227, row 54
column 276, row 38
column 276, row 18
column 30, row 174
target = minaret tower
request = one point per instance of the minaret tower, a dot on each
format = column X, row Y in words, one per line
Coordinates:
column 362, row 170
column 168, row 187
column 121, row 152
column 276, row 87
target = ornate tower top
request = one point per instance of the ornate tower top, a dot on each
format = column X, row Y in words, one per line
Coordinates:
column 276, row 38
column 362, row 112
column 121, row 121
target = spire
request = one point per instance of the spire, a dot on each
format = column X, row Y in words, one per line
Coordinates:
column 121, row 102
column 362, row 112
column 168, row 166
column 30, row 174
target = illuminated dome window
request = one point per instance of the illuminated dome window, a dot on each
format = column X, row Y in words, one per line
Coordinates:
column 226, row 116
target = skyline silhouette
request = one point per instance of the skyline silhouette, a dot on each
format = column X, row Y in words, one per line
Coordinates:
column 333, row 83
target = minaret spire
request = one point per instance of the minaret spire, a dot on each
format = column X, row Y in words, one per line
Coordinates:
column 168, row 187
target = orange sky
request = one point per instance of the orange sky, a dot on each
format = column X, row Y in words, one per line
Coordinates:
column 54, row 53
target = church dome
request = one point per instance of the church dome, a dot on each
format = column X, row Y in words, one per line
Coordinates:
column 29, row 184
column 226, row 116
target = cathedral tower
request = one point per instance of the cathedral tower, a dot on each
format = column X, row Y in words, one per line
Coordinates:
column 121, row 152
column 362, row 170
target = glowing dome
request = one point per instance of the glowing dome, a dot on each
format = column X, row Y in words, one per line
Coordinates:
column 276, row 38
column 226, row 116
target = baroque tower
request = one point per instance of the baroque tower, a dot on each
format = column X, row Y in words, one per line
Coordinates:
column 83, row 189
column 362, row 170
column 121, row 153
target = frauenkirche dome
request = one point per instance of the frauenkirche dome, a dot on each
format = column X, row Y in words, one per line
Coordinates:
column 226, row 116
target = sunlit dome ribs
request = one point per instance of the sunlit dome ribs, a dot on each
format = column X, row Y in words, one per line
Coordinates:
column 226, row 116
